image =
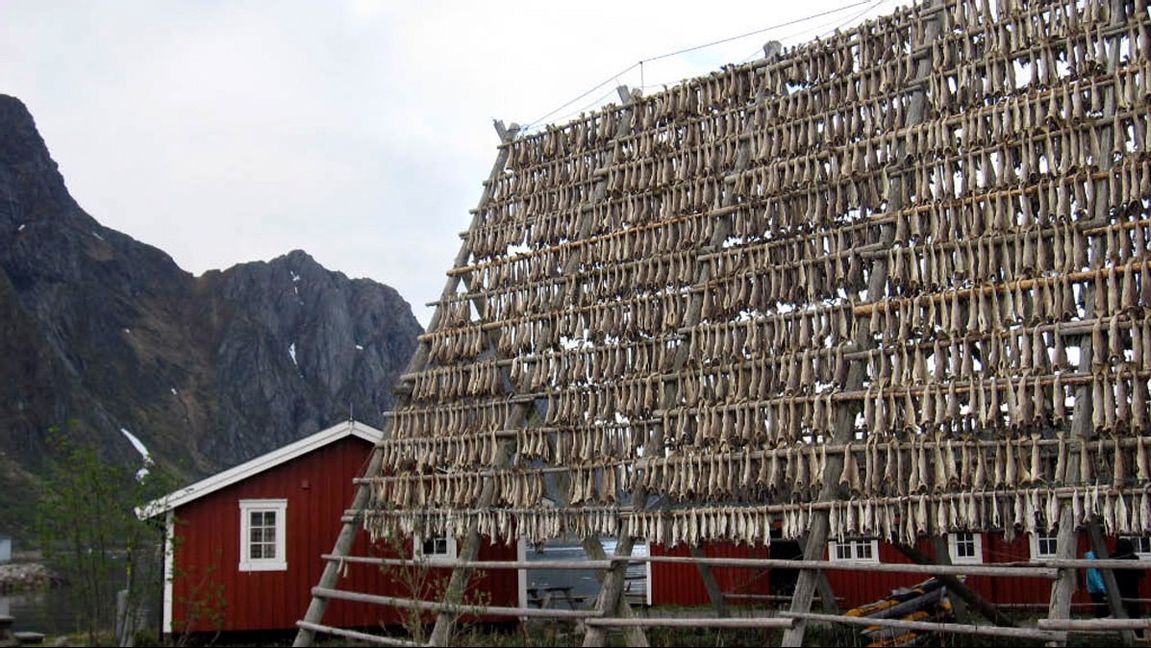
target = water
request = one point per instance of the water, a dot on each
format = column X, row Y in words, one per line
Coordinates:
column 55, row 610
column 583, row 582
column 51, row 611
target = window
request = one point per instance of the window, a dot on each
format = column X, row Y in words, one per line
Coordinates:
column 965, row 548
column 1142, row 546
column 435, row 548
column 857, row 550
column 263, row 531
column 1043, row 545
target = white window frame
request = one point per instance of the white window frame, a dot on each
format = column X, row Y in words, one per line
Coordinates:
column 1034, row 541
column 953, row 548
column 280, row 508
column 854, row 546
column 448, row 555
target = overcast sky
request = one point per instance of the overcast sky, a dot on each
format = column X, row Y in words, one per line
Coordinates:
column 358, row 130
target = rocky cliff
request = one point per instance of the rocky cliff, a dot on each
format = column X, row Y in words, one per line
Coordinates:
column 208, row 371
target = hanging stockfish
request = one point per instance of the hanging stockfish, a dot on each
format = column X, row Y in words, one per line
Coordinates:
column 1086, row 474
column 1119, row 464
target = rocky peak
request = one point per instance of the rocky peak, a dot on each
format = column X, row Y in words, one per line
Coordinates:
column 207, row 371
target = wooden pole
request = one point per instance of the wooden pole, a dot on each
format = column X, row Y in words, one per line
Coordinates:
column 709, row 583
column 691, row 622
column 956, row 628
column 633, row 635
column 351, row 527
column 844, row 431
column 1114, row 598
column 1066, row 545
column 454, row 608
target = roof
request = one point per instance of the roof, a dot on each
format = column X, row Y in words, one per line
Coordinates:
column 258, row 465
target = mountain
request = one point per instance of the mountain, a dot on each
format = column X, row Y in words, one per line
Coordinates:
column 101, row 333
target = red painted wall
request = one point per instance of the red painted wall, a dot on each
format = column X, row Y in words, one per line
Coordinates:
column 318, row 487
column 680, row 584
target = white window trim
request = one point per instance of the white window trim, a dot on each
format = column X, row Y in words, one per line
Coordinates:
column 953, row 550
column 1033, row 540
column 418, row 550
column 280, row 508
column 833, row 555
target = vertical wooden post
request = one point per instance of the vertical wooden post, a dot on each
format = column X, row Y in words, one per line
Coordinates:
column 1063, row 587
column 351, row 528
column 633, row 636
column 845, row 417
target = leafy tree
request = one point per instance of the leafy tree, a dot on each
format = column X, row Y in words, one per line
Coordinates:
column 88, row 529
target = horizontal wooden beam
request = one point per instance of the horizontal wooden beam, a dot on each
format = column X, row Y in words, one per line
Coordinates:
column 1095, row 625
column 692, row 622
column 930, row 626
column 1020, row 571
column 352, row 634
column 474, row 564
column 417, row 604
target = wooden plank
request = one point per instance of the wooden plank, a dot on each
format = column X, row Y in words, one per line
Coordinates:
column 1096, row 625
column 692, row 622
column 577, row 565
column 930, row 626
column 457, row 609
column 1018, row 570
column 352, row 634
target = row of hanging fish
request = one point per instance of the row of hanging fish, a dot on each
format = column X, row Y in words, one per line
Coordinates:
column 1032, row 511
column 623, row 248
column 554, row 446
column 604, row 403
column 595, row 366
column 1020, row 154
column 1118, row 292
column 724, row 369
column 1012, row 206
column 1119, row 404
column 886, row 467
column 451, row 419
column 581, row 288
column 1122, row 512
column 837, row 56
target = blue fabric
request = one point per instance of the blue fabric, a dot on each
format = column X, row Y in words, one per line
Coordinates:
column 1094, row 578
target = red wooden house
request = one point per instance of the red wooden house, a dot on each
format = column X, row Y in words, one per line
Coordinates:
column 681, row 584
column 244, row 546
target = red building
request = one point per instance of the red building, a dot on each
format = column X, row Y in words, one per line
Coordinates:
column 681, row 584
column 244, row 546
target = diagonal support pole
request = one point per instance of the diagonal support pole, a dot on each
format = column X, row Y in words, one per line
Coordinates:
column 306, row 636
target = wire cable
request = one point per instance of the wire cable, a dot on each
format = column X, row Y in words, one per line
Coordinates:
column 589, row 91
column 759, row 31
column 685, row 50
